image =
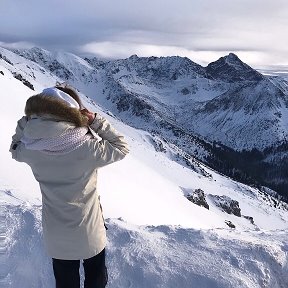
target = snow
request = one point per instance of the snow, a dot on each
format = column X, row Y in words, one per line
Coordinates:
column 156, row 237
column 15, row 97
column 156, row 256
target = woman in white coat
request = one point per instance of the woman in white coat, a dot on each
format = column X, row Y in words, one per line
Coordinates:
column 55, row 140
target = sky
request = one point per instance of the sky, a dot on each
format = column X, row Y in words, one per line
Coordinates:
column 202, row 30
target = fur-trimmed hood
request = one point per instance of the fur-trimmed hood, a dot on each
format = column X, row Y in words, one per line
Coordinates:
column 44, row 105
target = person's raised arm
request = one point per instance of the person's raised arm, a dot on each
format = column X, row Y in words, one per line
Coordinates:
column 112, row 147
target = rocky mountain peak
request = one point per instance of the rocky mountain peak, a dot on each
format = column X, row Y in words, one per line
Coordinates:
column 134, row 57
column 162, row 68
column 232, row 58
column 231, row 69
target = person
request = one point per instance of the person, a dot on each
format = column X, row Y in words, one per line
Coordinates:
column 56, row 138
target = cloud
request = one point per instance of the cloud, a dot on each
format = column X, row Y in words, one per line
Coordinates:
column 202, row 57
column 195, row 27
column 125, row 49
column 16, row 45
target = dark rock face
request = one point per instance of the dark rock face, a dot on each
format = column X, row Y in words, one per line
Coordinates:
column 198, row 198
column 227, row 204
column 137, row 107
column 6, row 59
column 185, row 91
column 230, row 224
column 60, row 70
column 23, row 80
column 250, row 219
column 231, row 69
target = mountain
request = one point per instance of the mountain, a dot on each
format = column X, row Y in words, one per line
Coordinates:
column 227, row 114
column 231, row 69
column 173, row 86
column 161, row 233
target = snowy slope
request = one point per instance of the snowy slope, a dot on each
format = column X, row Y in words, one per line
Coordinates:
column 241, row 112
column 157, row 238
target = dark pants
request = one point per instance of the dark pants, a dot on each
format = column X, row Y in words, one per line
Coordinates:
column 67, row 275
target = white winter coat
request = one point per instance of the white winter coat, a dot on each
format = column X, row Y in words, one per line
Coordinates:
column 73, row 225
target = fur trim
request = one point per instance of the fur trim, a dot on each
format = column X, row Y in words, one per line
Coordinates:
column 40, row 104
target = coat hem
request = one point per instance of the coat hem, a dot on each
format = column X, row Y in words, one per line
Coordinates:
column 78, row 257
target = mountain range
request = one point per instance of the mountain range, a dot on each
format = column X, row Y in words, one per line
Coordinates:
column 227, row 115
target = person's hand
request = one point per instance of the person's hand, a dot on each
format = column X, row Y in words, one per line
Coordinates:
column 90, row 115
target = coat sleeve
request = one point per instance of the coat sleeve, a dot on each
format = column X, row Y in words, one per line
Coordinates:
column 111, row 148
column 16, row 143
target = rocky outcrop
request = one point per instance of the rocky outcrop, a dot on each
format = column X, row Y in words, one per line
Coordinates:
column 198, row 197
column 6, row 59
column 230, row 224
column 23, row 80
column 249, row 218
column 227, row 204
